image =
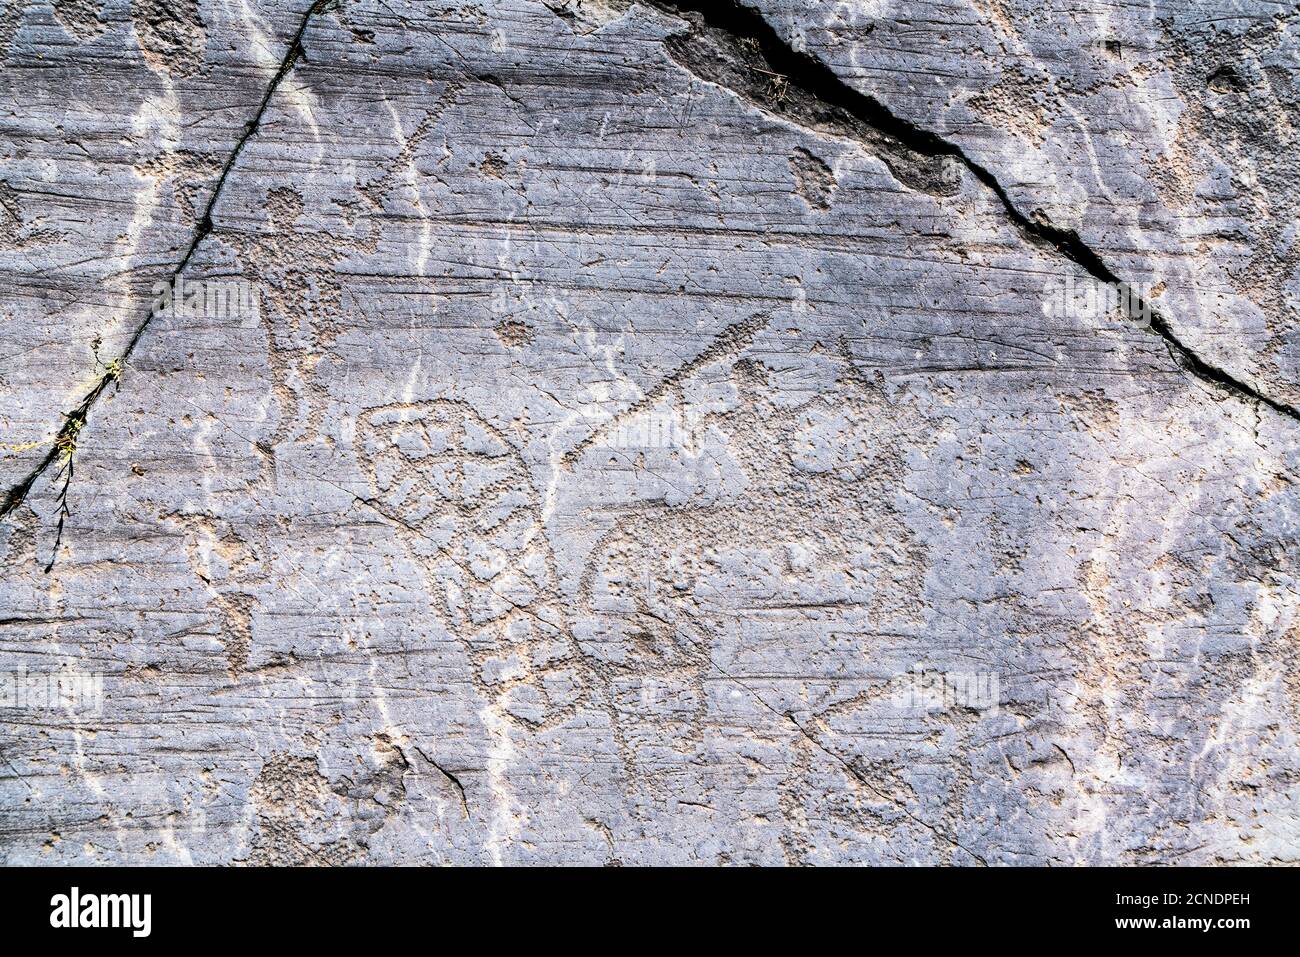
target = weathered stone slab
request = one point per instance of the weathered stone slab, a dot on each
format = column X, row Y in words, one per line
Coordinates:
column 636, row 454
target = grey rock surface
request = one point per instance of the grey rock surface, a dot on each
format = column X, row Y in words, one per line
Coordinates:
column 647, row 434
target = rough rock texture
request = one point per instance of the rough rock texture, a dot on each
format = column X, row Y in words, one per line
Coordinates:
column 640, row 404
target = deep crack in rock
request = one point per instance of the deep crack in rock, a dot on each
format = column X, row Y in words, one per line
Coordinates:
column 74, row 421
column 732, row 45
